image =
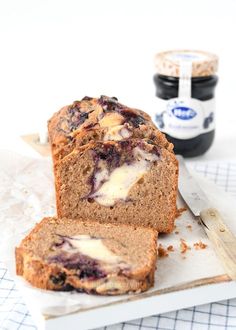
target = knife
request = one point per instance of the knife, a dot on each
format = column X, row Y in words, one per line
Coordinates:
column 223, row 240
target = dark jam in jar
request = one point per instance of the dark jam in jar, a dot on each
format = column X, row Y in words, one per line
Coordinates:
column 185, row 109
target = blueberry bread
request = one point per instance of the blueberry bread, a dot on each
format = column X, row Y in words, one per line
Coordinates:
column 63, row 254
column 101, row 119
column 131, row 181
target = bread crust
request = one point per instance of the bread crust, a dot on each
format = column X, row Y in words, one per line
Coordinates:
column 64, row 139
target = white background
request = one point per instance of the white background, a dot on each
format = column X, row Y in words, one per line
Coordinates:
column 54, row 52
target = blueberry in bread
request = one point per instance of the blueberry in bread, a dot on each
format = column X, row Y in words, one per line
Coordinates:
column 129, row 182
column 101, row 119
column 63, row 254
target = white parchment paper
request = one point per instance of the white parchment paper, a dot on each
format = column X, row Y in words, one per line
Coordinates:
column 27, row 195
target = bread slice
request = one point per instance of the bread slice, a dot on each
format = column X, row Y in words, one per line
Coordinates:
column 64, row 254
column 126, row 182
column 101, row 119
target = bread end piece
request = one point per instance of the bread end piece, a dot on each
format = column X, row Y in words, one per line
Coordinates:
column 33, row 258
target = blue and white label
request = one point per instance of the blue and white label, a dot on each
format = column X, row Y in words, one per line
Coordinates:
column 183, row 112
column 184, row 118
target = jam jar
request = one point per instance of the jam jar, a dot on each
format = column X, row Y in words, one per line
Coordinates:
column 185, row 83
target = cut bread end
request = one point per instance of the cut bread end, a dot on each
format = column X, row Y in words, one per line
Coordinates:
column 64, row 254
column 130, row 182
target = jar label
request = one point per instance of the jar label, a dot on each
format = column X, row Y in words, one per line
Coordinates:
column 184, row 118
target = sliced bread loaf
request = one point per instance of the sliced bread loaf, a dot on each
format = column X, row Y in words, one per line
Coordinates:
column 64, row 254
column 130, row 182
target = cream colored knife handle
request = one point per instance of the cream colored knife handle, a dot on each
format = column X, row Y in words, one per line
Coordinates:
column 222, row 238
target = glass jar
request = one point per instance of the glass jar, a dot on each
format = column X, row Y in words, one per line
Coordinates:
column 185, row 88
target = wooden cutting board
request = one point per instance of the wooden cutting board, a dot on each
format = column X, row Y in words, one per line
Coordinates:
column 33, row 141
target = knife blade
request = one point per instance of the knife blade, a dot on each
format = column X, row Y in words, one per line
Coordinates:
column 190, row 190
column 223, row 240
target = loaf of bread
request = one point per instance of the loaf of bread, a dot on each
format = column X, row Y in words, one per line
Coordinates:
column 112, row 164
column 116, row 186
column 64, row 255
column 101, row 119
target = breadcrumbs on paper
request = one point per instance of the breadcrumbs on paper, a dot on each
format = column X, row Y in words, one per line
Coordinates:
column 184, row 246
column 162, row 252
column 170, row 248
column 189, row 227
column 180, row 211
column 199, row 245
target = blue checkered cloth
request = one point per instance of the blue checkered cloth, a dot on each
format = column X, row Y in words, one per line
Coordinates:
column 14, row 314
